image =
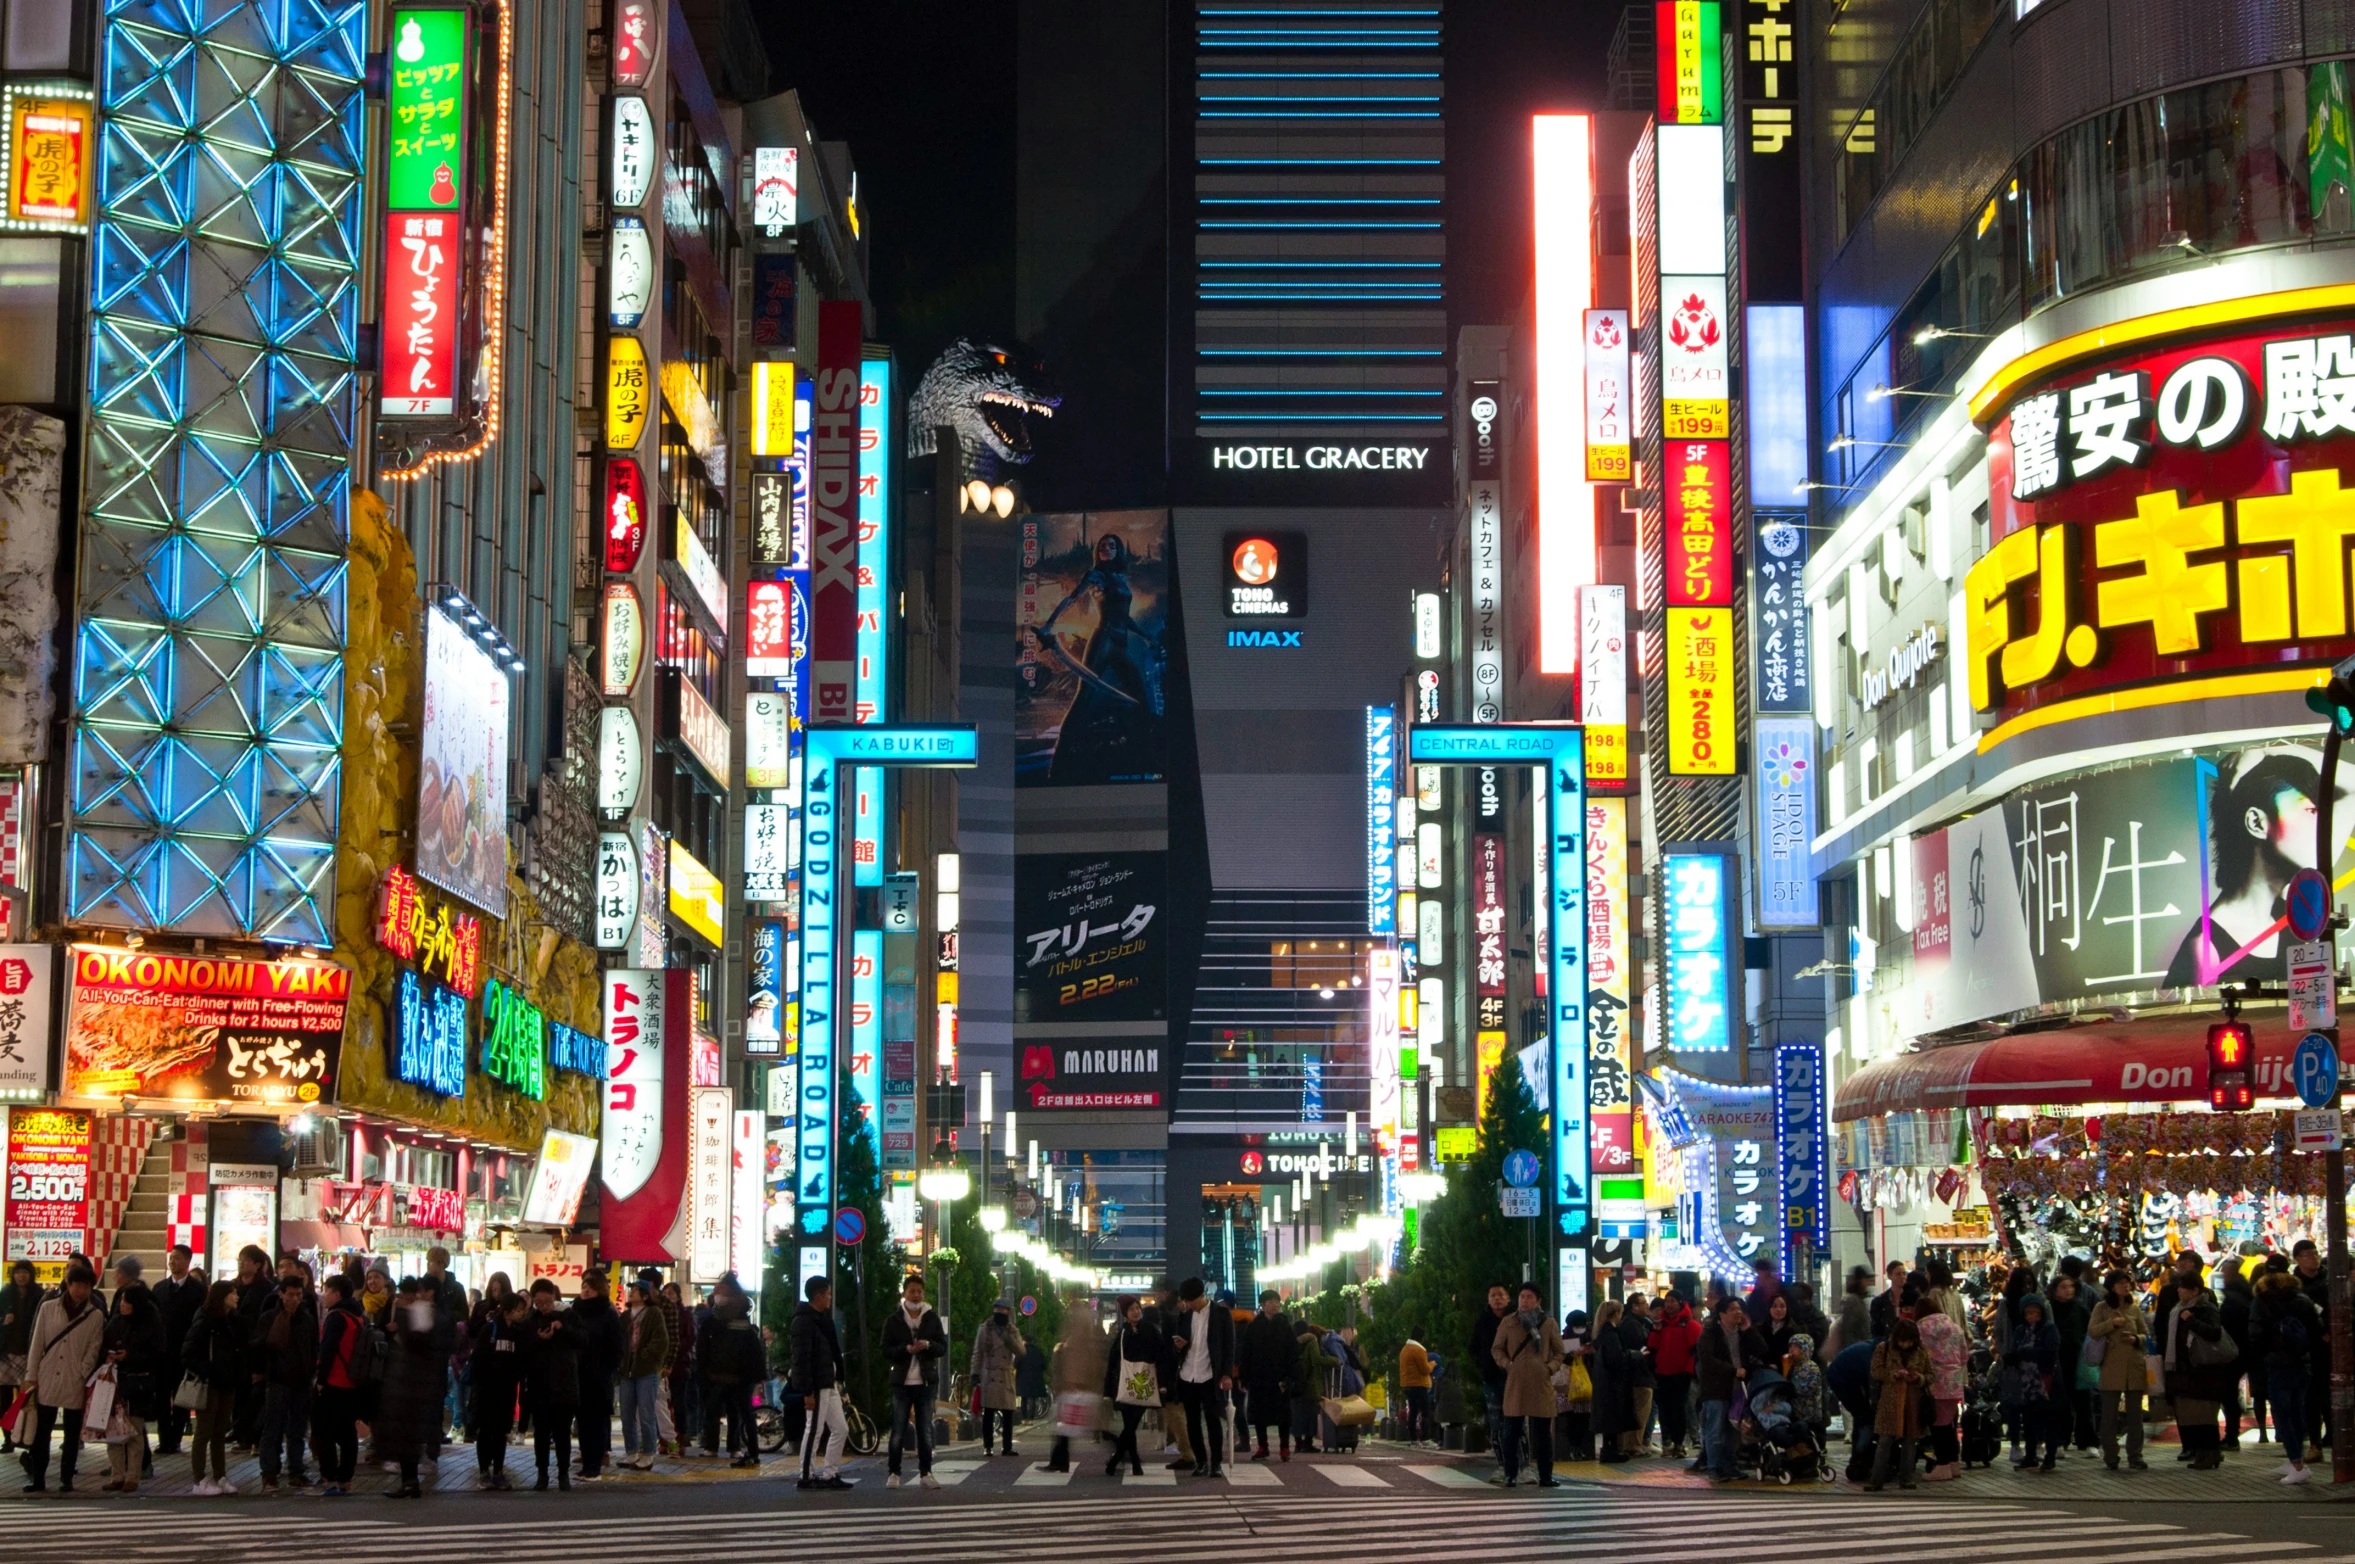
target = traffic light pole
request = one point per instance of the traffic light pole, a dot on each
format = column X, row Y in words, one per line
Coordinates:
column 2334, row 1172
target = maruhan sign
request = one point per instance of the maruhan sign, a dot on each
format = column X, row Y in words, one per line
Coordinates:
column 1319, row 458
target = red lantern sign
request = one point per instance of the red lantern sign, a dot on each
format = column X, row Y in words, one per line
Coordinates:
column 625, row 514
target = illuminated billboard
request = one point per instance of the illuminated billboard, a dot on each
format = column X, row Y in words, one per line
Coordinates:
column 1562, row 147
column 1697, row 913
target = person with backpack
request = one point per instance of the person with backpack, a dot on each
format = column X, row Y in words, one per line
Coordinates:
column 2286, row 1333
column 350, row 1360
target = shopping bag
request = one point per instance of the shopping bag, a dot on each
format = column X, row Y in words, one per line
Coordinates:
column 1582, row 1384
column 18, row 1418
column 101, row 1396
column 121, row 1426
column 1349, row 1411
column 2154, row 1370
column 1075, row 1413
column 1140, row 1386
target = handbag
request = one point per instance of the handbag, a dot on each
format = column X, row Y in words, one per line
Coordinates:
column 1349, row 1411
column 100, row 1398
column 2094, row 1350
column 194, row 1395
column 18, row 1411
column 2223, row 1352
column 1740, row 1406
column 121, row 1426
column 1140, row 1385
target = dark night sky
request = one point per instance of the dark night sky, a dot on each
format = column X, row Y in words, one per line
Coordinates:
column 923, row 90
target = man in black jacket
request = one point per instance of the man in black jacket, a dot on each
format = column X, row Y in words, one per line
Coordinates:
column 601, row 1344
column 181, row 1297
column 1269, row 1351
column 1204, row 1352
column 286, row 1357
column 913, row 1342
column 1492, row 1373
column 817, row 1374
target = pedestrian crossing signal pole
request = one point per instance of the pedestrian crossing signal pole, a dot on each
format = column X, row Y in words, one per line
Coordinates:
column 2336, row 701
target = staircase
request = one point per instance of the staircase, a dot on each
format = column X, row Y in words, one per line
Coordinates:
column 144, row 1230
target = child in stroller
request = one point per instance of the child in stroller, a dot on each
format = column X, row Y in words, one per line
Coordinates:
column 1785, row 1449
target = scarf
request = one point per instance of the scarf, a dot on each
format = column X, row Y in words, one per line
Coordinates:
column 1532, row 1321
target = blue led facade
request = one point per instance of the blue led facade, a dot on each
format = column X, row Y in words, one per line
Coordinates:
column 1319, row 281
column 208, row 666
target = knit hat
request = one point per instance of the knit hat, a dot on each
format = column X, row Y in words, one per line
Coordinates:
column 128, row 1269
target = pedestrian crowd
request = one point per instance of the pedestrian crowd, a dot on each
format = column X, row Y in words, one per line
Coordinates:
column 305, row 1372
column 1928, row 1375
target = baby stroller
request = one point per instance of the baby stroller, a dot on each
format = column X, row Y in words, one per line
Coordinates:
column 1784, row 1449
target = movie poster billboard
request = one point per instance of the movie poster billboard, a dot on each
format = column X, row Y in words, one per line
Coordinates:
column 1090, row 937
column 2163, row 875
column 1090, row 625
column 152, row 1024
column 462, row 776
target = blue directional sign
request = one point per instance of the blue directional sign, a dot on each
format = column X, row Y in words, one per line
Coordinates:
column 2314, row 1070
column 1560, row 750
column 825, row 900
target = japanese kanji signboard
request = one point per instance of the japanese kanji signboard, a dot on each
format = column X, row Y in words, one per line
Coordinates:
column 150, row 1024
column 48, row 1185
column 2164, row 515
column 417, row 925
column 28, row 1011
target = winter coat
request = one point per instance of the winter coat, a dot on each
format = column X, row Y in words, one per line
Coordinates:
column 2184, row 1377
column 1676, row 1336
column 1078, row 1364
column 1636, row 1332
column 2123, row 1327
column 497, row 1356
column 1307, row 1379
column 2033, row 1353
column 1854, row 1324
column 285, row 1348
column 1414, row 1367
column 652, row 1346
column 997, row 1349
column 551, row 1362
column 1030, row 1376
column 604, row 1340
column 730, row 1351
column 1134, row 1346
column 682, row 1340
column 2071, row 1321
column 139, row 1336
column 1897, row 1408
column 416, row 1380
column 900, row 1339
column 214, row 1351
column 1483, row 1348
column 816, row 1348
column 1809, row 1321
column 1269, row 1350
column 2286, row 1331
column 19, row 1307
column 1613, row 1409
column 1344, row 1355
column 1529, row 1360
column 1716, row 1367
column 64, row 1352
column 1950, row 1351
column 2237, row 1299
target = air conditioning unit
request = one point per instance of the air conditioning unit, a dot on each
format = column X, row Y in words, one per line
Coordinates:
column 319, row 1151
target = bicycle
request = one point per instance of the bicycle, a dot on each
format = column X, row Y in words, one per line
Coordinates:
column 770, row 1429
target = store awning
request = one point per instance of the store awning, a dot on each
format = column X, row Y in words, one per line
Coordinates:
column 2156, row 1060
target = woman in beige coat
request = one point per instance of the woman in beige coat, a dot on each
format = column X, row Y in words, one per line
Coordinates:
column 67, row 1335
column 1529, row 1348
column 2121, row 1326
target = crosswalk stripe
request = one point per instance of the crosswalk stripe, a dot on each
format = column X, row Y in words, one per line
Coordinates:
column 1448, row 1476
column 1040, row 1477
column 951, row 1473
column 1350, row 1477
column 1250, row 1474
column 1151, row 1477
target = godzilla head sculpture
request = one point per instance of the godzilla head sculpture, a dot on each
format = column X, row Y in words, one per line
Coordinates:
column 988, row 395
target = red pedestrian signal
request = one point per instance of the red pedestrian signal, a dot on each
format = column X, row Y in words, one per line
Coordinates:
column 2232, row 1057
